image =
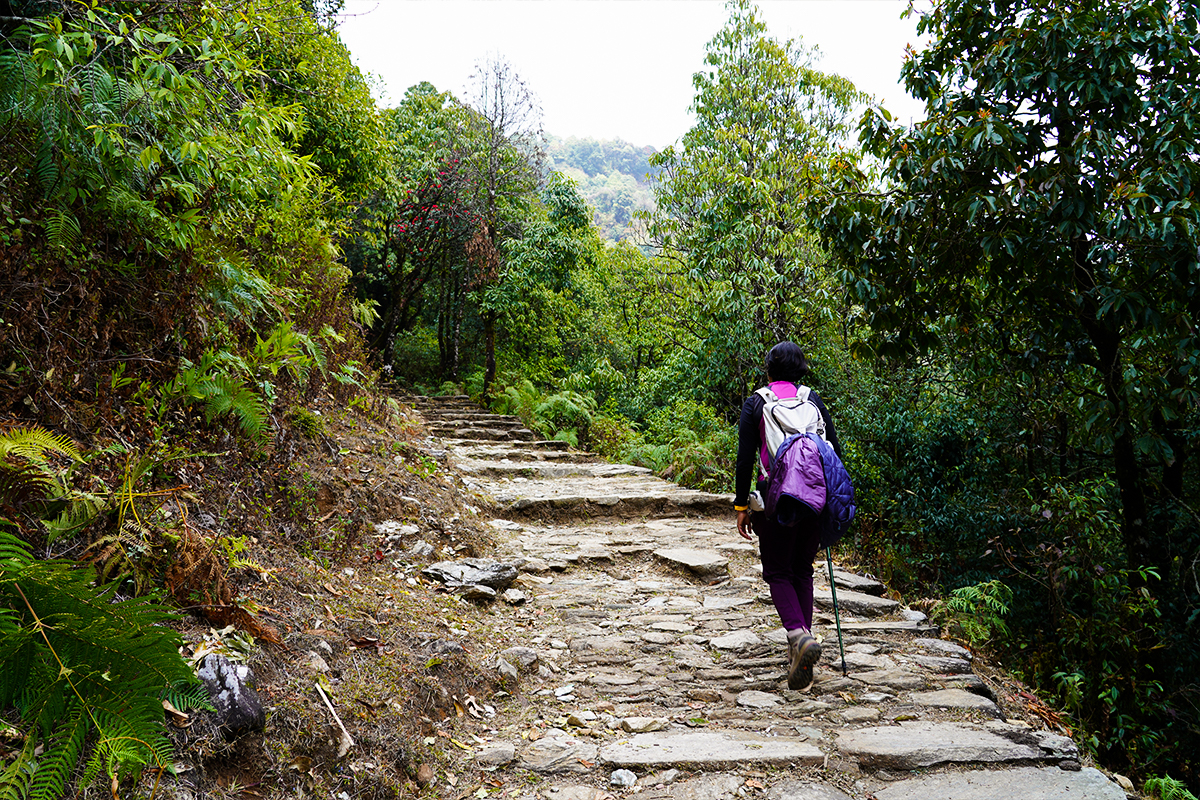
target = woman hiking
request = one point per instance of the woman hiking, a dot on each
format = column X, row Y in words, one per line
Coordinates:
column 787, row 552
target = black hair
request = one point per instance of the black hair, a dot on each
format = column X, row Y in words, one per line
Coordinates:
column 786, row 362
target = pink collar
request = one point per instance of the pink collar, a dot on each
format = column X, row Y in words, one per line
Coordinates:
column 784, row 390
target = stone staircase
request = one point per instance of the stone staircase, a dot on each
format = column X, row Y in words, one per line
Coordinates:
column 658, row 666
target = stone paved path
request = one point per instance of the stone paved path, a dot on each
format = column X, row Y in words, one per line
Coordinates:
column 662, row 663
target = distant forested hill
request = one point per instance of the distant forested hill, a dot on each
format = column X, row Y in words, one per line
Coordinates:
column 613, row 177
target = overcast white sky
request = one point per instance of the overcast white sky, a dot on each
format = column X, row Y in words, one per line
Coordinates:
column 615, row 68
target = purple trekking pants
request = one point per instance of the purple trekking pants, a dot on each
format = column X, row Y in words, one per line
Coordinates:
column 787, row 559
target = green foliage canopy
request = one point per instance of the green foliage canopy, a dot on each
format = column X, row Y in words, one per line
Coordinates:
column 1046, row 205
column 731, row 196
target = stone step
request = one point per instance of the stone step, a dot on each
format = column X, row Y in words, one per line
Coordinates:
column 709, row 750
column 864, row 605
column 536, row 447
column 471, row 417
column 512, row 453
column 539, row 469
column 1025, row 783
column 919, row 744
column 587, row 506
column 486, row 434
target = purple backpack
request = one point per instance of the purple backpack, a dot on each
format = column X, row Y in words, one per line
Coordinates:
column 796, row 488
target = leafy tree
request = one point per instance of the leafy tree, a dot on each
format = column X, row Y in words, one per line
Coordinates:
column 503, row 151
column 731, row 195
column 1046, row 205
column 1044, row 215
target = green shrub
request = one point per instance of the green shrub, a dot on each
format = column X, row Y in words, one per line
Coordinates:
column 612, row 437
column 976, row 613
column 564, row 412
column 1167, row 788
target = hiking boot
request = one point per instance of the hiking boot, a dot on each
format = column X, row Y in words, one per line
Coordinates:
column 803, row 653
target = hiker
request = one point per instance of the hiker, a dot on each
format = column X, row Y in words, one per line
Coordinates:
column 787, row 552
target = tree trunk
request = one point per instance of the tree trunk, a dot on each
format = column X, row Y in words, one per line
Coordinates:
column 489, row 349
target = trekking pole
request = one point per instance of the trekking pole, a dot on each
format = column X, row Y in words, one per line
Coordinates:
column 836, row 617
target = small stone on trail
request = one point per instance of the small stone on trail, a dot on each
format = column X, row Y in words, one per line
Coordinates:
column 797, row 790
column 912, row 615
column 558, row 753
column 735, row 641
column 662, row 778
column 514, row 597
column 495, row 755
column 860, row 714
column 469, row 571
column 507, row 670
column 754, row 699
column 523, row 658
column 643, row 724
column 421, row 549
column 942, row 646
column 576, row 793
column 956, row 698
column 705, row 564
column 316, row 663
column 657, row 637
column 478, row 592
column 623, row 778
column 440, row 647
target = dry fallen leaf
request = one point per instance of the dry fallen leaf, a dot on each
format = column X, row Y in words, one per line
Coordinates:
column 178, row 718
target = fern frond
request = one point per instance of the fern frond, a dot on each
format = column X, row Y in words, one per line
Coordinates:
column 59, row 760
column 223, row 395
column 1168, row 788
column 32, row 444
column 16, row 777
column 14, row 552
column 187, row 695
column 62, row 229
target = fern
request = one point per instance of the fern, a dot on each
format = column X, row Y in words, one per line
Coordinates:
column 188, row 695
column 32, row 444
column 220, row 392
column 62, row 229
column 32, row 488
column 1167, row 788
column 224, row 395
column 977, row 612
column 79, row 665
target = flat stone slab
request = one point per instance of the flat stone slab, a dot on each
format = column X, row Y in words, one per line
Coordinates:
column 714, row 603
column 717, row 786
column 857, row 583
column 1026, row 783
column 943, row 647
column 913, row 745
column 860, row 714
column 861, row 661
column 944, row 664
column 756, row 699
column 887, row 626
column 705, row 563
column 800, row 790
column 863, row 605
column 892, row 678
column 956, row 698
column 556, row 754
column 709, row 750
column 735, row 641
